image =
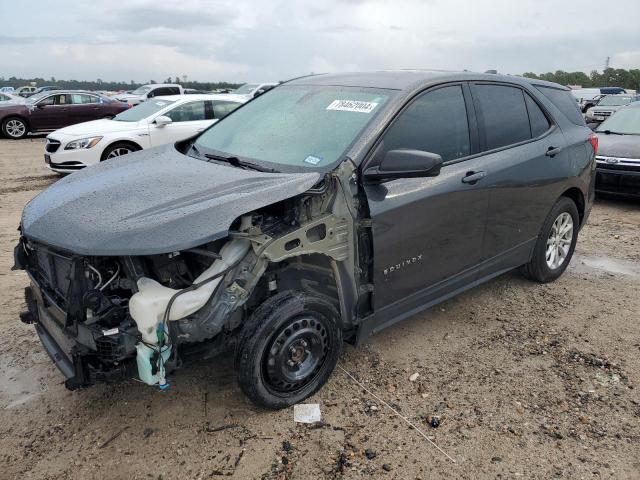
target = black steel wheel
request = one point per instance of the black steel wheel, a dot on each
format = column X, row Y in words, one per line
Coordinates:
column 288, row 349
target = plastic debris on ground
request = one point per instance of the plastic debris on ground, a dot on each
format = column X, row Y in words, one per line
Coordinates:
column 306, row 413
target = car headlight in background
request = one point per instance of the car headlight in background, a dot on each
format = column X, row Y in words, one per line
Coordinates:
column 83, row 143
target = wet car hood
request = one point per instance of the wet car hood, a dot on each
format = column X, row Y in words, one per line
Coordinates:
column 623, row 146
column 152, row 201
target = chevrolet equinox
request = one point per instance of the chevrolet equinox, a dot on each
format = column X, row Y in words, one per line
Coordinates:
column 323, row 211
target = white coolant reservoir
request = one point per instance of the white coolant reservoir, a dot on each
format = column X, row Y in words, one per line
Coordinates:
column 147, row 306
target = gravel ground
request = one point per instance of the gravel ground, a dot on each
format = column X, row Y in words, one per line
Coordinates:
column 514, row 380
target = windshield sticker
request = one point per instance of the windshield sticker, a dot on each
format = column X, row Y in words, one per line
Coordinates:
column 313, row 159
column 352, row 106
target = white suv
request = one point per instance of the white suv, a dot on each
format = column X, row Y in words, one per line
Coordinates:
column 155, row 122
column 145, row 92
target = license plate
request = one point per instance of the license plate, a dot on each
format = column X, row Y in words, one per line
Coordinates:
column 47, row 159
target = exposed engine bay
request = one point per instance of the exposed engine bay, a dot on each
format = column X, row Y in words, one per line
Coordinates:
column 108, row 318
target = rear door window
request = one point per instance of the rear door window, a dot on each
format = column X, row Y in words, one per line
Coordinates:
column 188, row 112
column 564, row 101
column 503, row 114
column 435, row 122
column 83, row 99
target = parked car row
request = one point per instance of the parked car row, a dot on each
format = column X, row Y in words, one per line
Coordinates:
column 588, row 97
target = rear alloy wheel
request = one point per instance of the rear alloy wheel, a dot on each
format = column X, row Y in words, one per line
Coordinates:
column 117, row 150
column 15, row 128
column 559, row 241
column 288, row 349
column 556, row 243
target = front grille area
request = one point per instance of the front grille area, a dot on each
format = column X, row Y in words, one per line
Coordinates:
column 52, row 146
column 602, row 113
column 618, row 164
column 53, row 270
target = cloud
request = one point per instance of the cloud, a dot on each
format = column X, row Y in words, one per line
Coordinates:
column 251, row 40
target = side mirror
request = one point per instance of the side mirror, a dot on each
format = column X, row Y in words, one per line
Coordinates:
column 162, row 120
column 405, row 164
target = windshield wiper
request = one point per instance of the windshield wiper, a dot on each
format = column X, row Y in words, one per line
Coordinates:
column 609, row 132
column 236, row 162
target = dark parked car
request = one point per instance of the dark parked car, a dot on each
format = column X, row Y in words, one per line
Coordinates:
column 326, row 210
column 49, row 111
column 618, row 159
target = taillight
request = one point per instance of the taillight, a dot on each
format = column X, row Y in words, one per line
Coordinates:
column 593, row 140
column 131, row 105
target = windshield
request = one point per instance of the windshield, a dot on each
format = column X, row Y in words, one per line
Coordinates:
column 142, row 111
column 296, row 127
column 141, row 90
column 246, row 88
column 614, row 101
column 626, row 120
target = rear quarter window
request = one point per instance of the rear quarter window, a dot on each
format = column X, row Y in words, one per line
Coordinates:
column 564, row 101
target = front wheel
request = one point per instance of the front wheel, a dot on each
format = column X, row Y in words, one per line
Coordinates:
column 556, row 243
column 15, row 128
column 288, row 349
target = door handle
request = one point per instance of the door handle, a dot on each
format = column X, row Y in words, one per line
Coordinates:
column 473, row 177
column 553, row 151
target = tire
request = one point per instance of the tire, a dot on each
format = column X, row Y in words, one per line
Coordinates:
column 15, row 128
column 553, row 250
column 117, row 150
column 291, row 334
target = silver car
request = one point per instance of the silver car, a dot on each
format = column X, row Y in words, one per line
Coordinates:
column 607, row 106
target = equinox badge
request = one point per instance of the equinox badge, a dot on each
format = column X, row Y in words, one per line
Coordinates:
column 404, row 263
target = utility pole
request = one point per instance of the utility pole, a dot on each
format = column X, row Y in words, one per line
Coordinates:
column 606, row 66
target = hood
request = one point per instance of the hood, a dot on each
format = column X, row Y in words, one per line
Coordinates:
column 95, row 127
column 622, row 146
column 127, row 96
column 150, row 202
column 606, row 108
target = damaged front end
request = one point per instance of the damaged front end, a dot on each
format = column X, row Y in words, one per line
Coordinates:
column 106, row 318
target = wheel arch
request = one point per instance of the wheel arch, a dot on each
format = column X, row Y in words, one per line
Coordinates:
column 16, row 115
column 315, row 273
column 125, row 141
column 575, row 194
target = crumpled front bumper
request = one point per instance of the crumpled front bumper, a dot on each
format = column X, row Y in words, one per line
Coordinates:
column 78, row 350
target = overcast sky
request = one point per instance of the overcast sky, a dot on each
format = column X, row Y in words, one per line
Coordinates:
column 269, row 40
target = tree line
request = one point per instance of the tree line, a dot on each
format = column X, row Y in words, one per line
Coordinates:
column 610, row 77
column 99, row 84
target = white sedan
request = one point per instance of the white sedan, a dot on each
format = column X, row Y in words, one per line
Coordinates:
column 154, row 122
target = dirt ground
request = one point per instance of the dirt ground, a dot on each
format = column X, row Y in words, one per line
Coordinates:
column 522, row 381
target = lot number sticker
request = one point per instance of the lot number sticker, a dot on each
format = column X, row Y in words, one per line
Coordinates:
column 352, row 106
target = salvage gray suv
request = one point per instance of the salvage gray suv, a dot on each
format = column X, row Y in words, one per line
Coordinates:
column 323, row 211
